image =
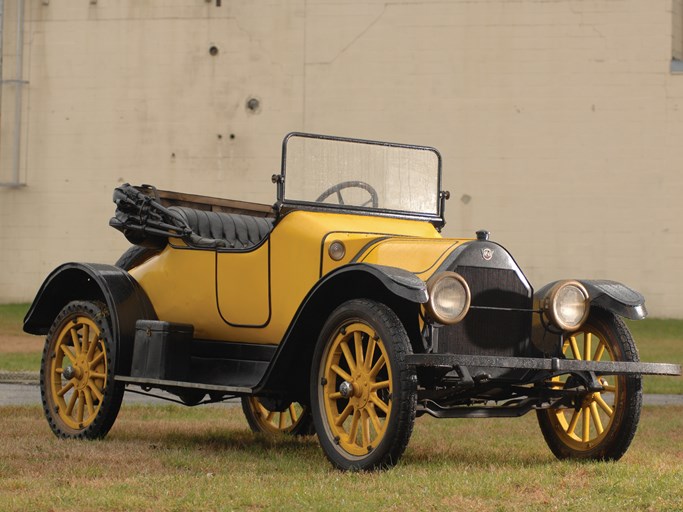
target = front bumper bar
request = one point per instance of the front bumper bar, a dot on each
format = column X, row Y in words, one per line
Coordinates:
column 553, row 364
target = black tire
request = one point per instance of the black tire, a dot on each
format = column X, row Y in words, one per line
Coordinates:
column 379, row 396
column 267, row 416
column 134, row 256
column 80, row 397
column 575, row 433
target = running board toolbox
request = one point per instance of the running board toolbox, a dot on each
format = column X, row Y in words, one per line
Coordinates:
column 161, row 350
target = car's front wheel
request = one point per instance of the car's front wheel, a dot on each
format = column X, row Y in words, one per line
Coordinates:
column 363, row 393
column 601, row 425
column 79, row 394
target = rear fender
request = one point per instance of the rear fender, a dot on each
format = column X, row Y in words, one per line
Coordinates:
column 399, row 289
column 125, row 300
column 612, row 296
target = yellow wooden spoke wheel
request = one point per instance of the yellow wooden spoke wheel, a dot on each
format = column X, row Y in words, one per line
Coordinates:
column 80, row 398
column 601, row 424
column 271, row 416
column 363, row 396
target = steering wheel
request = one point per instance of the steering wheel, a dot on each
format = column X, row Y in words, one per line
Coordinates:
column 336, row 189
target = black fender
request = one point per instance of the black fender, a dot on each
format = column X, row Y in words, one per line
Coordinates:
column 612, row 296
column 125, row 299
column 399, row 289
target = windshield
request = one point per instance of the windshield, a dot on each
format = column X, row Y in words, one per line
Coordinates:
column 359, row 174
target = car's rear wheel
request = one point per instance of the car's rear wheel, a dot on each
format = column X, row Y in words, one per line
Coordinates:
column 363, row 393
column 270, row 416
column 79, row 394
column 602, row 424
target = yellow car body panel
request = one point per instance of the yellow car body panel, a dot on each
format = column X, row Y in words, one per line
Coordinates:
column 251, row 296
column 242, row 286
column 419, row 256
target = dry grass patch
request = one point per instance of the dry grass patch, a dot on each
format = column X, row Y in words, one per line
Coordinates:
column 21, row 344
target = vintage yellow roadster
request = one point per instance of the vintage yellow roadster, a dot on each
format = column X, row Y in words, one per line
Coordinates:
column 339, row 310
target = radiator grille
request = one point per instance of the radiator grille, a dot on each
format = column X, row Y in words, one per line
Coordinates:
column 486, row 331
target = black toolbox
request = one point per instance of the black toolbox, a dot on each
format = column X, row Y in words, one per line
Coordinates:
column 161, row 350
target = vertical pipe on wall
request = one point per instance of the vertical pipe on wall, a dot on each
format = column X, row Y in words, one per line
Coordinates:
column 2, row 37
column 18, row 82
column 16, row 150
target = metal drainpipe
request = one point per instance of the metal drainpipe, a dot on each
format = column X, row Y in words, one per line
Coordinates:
column 2, row 36
column 19, row 83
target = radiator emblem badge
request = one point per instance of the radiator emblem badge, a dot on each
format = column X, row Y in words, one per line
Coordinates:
column 487, row 254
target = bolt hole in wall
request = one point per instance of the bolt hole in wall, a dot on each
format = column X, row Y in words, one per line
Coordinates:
column 253, row 105
column 213, row 51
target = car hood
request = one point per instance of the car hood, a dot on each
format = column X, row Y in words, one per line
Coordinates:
column 420, row 256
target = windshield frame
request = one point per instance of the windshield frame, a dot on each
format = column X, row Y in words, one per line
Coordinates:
column 286, row 204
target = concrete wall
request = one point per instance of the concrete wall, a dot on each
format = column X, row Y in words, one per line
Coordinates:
column 559, row 122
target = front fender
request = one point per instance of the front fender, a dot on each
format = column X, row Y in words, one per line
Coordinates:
column 612, row 296
column 399, row 289
column 125, row 300
column 398, row 281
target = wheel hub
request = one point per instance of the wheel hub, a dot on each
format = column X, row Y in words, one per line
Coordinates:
column 346, row 389
column 80, row 371
column 362, row 390
column 70, row 372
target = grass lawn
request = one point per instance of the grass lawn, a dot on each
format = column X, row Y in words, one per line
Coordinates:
column 166, row 458
column 11, row 318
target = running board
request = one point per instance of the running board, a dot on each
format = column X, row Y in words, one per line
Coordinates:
column 164, row 384
column 554, row 364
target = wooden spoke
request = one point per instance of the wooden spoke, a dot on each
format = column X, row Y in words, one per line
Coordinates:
column 599, row 351
column 96, row 360
column 89, row 402
column 586, row 434
column 74, row 340
column 353, row 429
column 91, row 349
column 574, row 421
column 575, row 347
column 374, row 418
column 358, row 345
column 370, row 352
column 95, row 391
column 377, row 367
column 67, row 352
column 292, row 414
column 603, row 405
column 66, row 388
column 365, row 427
column 350, row 361
column 85, row 339
column 596, row 418
column 344, row 414
column 587, row 346
column 336, row 369
column 80, row 408
column 381, row 405
column 384, row 384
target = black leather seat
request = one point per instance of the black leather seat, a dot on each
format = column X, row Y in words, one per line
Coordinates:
column 218, row 229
